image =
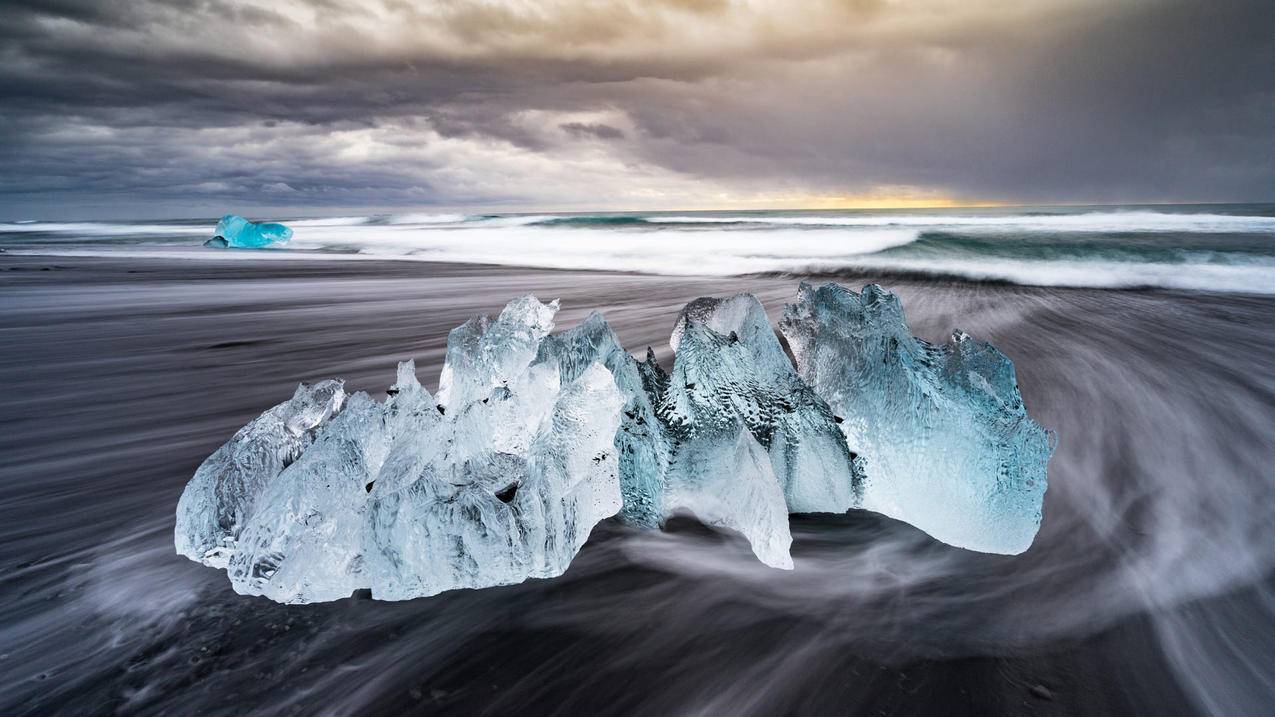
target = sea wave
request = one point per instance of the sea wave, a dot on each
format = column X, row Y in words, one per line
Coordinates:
column 656, row 252
column 329, row 222
column 1096, row 222
column 1109, row 249
column 105, row 229
column 1256, row 277
column 426, row 218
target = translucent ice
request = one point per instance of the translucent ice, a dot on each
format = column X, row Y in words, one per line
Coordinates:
column 705, row 462
column 484, row 354
column 235, row 231
column 943, row 437
column 412, row 497
column 731, row 370
column 218, row 502
column 534, row 438
column 508, row 486
column 640, row 444
column 726, row 480
column 304, row 542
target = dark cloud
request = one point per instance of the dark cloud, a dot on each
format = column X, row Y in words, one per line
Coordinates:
column 156, row 107
column 596, row 130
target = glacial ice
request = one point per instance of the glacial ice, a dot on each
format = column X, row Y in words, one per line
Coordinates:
column 709, row 464
column 509, row 489
column 534, row 438
column 500, row 479
column 304, row 542
column 731, row 370
column 944, row 439
column 218, row 501
column 235, row 231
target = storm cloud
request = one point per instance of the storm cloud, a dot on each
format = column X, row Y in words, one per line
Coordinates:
column 151, row 108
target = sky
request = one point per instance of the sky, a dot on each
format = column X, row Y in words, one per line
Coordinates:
column 190, row 108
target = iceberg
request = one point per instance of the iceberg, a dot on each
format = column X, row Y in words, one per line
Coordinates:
column 512, row 477
column 679, row 454
column 640, row 445
column 534, row 438
column 235, row 231
column 731, row 370
column 218, row 501
column 944, row 439
column 304, row 542
column 499, row 479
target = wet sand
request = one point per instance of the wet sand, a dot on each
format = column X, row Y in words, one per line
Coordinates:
column 1148, row 590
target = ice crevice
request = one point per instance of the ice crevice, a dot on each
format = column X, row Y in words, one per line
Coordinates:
column 533, row 438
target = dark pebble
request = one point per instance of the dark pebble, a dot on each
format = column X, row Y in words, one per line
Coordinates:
column 1041, row 692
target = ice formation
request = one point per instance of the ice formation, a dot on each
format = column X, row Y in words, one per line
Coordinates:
column 534, row 438
column 517, row 469
column 218, row 502
column 235, row 231
column 501, row 479
column 944, row 439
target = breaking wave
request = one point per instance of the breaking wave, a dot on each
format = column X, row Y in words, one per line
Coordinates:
column 1141, row 221
column 1229, row 249
column 104, row 229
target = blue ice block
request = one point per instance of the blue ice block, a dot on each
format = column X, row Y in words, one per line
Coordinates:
column 235, row 231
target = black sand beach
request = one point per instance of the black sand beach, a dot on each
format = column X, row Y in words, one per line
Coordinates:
column 1148, row 591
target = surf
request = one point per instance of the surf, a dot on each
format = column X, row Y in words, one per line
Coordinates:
column 1224, row 249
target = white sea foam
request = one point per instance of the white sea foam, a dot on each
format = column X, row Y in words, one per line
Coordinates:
column 1097, row 222
column 426, row 218
column 1257, row 277
column 104, row 229
column 792, row 244
column 657, row 252
column 328, row 222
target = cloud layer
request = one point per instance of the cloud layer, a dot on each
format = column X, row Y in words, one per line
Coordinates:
column 174, row 108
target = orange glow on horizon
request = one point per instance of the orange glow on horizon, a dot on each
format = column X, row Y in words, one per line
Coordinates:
column 896, row 203
column 902, row 200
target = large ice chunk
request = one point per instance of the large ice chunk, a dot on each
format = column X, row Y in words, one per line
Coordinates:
column 218, row 502
column 411, row 497
column 706, row 462
column 533, row 439
column 944, row 440
column 305, row 542
column 731, row 370
column 235, row 231
column 640, row 444
column 509, row 489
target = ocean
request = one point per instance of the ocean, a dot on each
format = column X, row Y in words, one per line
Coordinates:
column 1141, row 336
column 1228, row 248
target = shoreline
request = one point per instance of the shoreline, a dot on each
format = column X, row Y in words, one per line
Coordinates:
column 294, row 265
column 122, row 376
